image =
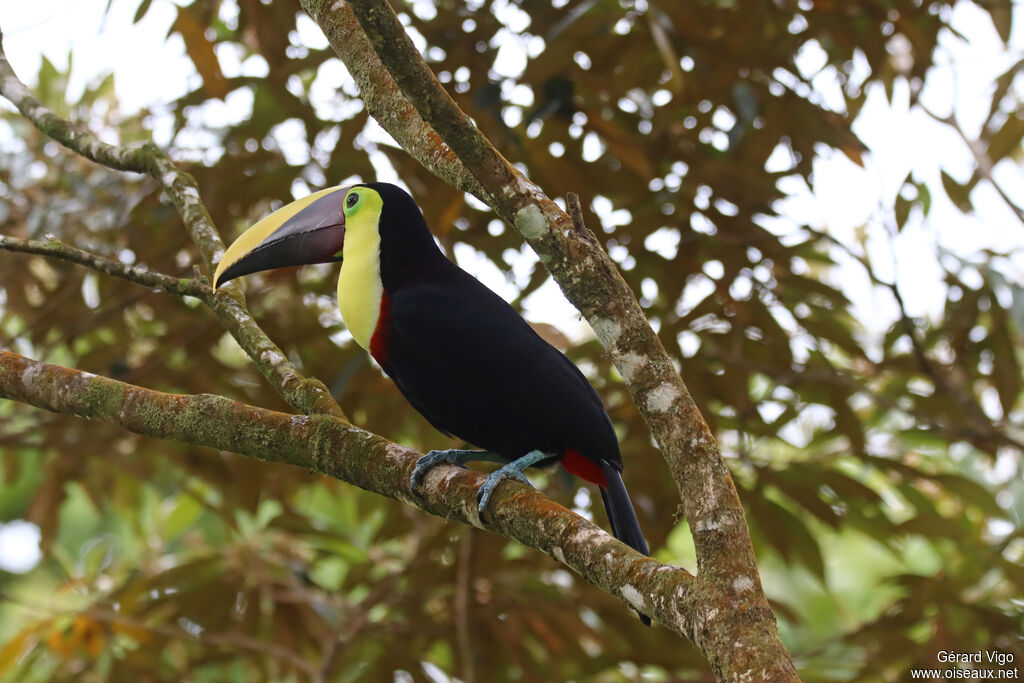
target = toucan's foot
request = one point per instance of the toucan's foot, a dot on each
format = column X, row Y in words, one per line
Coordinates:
column 454, row 456
column 513, row 470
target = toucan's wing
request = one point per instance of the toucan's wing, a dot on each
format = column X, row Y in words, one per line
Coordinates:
column 476, row 369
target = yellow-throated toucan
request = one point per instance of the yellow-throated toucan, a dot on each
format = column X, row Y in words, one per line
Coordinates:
column 458, row 352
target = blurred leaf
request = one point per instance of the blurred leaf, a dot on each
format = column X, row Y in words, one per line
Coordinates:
column 786, row 533
column 141, row 11
column 1002, row 18
column 902, row 211
column 200, row 51
column 182, row 516
column 924, row 198
column 957, row 193
column 971, row 492
column 15, row 647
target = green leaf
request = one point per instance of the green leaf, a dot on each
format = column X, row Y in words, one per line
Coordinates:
column 924, row 438
column 924, row 197
column 971, row 492
column 329, row 573
column 182, row 516
column 1006, row 139
column 1006, row 370
column 48, row 81
column 268, row 510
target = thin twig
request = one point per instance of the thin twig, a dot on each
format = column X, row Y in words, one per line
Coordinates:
column 981, row 427
column 58, row 250
column 981, row 158
column 463, row 604
column 572, row 201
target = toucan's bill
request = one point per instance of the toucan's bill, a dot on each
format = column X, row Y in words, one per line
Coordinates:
column 309, row 230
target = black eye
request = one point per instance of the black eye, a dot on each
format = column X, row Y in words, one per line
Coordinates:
column 352, row 200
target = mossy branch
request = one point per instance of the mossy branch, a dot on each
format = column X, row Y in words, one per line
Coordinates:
column 333, row 447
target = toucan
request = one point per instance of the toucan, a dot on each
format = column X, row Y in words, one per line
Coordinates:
column 456, row 350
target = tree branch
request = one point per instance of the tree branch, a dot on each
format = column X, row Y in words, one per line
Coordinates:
column 304, row 394
column 331, row 446
column 728, row 579
column 59, row 250
column 382, row 97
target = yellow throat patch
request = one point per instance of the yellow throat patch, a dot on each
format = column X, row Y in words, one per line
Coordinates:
column 359, row 286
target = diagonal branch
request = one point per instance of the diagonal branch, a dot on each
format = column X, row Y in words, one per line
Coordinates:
column 331, row 446
column 59, row 250
column 303, row 394
column 743, row 640
column 380, row 94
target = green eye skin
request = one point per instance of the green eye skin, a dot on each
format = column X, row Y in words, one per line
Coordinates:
column 351, row 201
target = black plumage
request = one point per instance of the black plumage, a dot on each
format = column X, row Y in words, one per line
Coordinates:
column 475, row 369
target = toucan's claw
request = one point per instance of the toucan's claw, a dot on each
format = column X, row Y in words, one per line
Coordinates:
column 483, row 496
column 513, row 470
column 454, row 456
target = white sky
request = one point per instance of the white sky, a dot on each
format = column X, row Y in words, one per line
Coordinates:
column 845, row 199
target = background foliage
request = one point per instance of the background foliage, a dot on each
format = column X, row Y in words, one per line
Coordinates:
column 880, row 471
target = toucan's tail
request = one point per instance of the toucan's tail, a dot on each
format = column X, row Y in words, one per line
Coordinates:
column 625, row 525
